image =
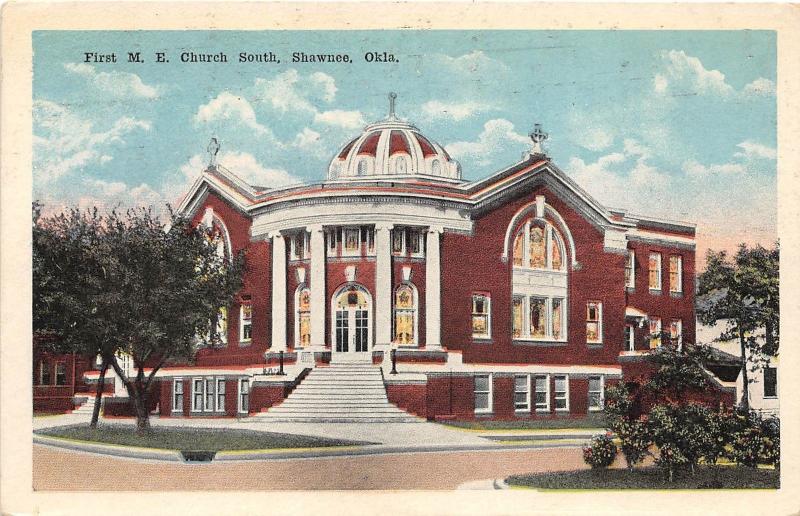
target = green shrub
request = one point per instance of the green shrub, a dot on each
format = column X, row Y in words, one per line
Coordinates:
column 632, row 431
column 600, row 452
column 754, row 440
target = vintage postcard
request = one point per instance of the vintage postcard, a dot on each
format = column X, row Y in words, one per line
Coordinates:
column 418, row 258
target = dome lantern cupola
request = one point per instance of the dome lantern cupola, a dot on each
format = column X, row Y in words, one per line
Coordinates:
column 393, row 149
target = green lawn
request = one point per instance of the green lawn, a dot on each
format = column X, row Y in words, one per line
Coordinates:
column 593, row 421
column 206, row 439
column 706, row 477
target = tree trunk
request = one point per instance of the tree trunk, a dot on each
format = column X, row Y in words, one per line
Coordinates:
column 142, row 415
column 98, row 397
column 745, row 400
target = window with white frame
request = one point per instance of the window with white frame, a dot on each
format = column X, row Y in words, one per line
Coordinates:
column 630, row 337
column 676, row 333
column 61, row 373
column 654, row 271
column 198, row 393
column 770, row 382
column 481, row 316
column 545, row 319
column 630, row 269
column 220, row 389
column 539, row 245
column 408, row 241
column 177, row 395
column 244, row 395
column 221, row 325
column 405, row 314
column 483, row 393
column 542, row 393
column 561, row 392
column 351, row 241
column 300, row 246
column 594, row 322
column 596, row 385
column 676, row 274
column 208, row 404
column 655, row 332
column 44, row 373
column 246, row 320
column 522, row 393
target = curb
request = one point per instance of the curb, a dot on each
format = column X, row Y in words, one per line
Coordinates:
column 110, row 449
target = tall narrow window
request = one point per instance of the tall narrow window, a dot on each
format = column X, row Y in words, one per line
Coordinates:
column 397, row 240
column 220, row 388
column 542, row 389
column 654, row 271
column 45, row 378
column 538, row 248
column 244, row 395
column 61, row 373
column 197, row 394
column 558, row 317
column 561, row 392
column 516, row 317
column 405, row 313
column 177, row 395
column 630, row 275
column 655, row 332
column 352, row 244
column 556, row 260
column 370, row 239
column 481, row 316
column 595, row 393
column 594, row 322
column 519, row 241
column 538, row 317
column 246, row 321
column 483, row 393
column 676, row 274
column 522, row 393
column 770, row 382
column 303, row 317
column 221, row 325
column 629, row 337
column 414, row 238
column 676, row 333
column 208, row 404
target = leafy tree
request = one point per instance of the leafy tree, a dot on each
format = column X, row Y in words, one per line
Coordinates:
column 74, row 310
column 149, row 291
column 631, row 427
column 743, row 291
column 677, row 371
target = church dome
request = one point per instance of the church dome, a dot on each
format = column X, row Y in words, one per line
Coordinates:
column 393, row 148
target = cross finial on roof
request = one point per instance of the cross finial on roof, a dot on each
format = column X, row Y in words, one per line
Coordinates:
column 538, row 136
column 213, row 150
column 392, row 97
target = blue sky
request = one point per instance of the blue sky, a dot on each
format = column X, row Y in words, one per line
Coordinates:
column 675, row 124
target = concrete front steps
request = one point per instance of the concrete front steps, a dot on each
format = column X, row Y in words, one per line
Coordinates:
column 87, row 407
column 349, row 392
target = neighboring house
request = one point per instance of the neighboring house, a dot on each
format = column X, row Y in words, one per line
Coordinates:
column 513, row 296
column 763, row 382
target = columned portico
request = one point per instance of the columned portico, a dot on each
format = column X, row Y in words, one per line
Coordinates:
column 433, row 289
column 383, row 285
column 318, row 302
column 279, row 315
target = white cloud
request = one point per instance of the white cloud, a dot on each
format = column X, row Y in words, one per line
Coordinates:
column 326, row 83
column 340, row 118
column 284, row 92
column 435, row 109
column 496, row 136
column 475, row 63
column 63, row 141
column 694, row 168
column 761, row 87
column 685, row 74
column 119, row 84
column 752, row 150
column 227, row 106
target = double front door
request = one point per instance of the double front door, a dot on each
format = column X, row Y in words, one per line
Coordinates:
column 352, row 321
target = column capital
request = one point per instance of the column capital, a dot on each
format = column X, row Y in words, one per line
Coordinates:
column 384, row 225
column 274, row 234
column 314, row 227
column 435, row 229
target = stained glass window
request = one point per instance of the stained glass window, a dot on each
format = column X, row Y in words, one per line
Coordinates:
column 537, row 248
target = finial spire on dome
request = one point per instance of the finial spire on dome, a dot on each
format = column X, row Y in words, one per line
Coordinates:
column 392, row 97
column 538, row 136
column 212, row 149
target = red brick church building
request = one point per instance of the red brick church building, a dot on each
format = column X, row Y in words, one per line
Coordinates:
column 514, row 296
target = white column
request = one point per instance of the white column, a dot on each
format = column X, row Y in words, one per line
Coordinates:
column 383, row 285
column 433, row 290
column 317, row 276
column 278, row 292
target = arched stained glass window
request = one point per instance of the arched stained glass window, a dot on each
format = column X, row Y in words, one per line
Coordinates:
column 538, row 245
column 538, row 248
column 303, row 316
column 405, row 313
